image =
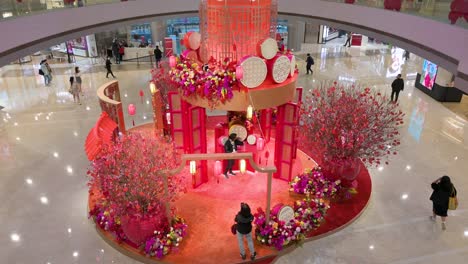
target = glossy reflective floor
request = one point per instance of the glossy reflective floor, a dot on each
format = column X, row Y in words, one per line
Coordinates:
column 43, row 214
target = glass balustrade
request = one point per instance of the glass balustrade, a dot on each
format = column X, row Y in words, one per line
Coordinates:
column 14, row 8
column 446, row 11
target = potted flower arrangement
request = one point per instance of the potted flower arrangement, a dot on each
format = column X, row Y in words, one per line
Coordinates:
column 313, row 182
column 128, row 180
column 350, row 125
column 308, row 214
column 213, row 82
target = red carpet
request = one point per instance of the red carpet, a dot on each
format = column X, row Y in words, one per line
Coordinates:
column 210, row 209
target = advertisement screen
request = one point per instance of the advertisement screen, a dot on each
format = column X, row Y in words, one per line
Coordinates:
column 429, row 74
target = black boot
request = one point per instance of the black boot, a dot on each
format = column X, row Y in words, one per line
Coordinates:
column 252, row 257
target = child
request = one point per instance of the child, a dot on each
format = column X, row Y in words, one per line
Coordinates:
column 75, row 90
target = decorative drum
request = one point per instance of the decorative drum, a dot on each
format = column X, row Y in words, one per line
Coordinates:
column 267, row 48
column 192, row 40
column 279, row 68
column 254, row 71
column 240, row 130
column 251, row 139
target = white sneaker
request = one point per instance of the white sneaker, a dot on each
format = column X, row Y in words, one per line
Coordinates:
column 443, row 226
column 432, row 218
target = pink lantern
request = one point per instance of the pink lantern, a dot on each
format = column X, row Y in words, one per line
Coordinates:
column 131, row 109
column 218, row 168
column 260, row 144
column 172, row 61
column 132, row 112
column 239, row 72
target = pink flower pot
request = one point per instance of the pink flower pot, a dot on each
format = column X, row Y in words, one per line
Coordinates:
column 138, row 230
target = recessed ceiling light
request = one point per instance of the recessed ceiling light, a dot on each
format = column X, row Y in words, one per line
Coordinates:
column 56, row 154
column 380, row 168
column 75, row 134
column 29, row 181
column 69, row 169
column 408, row 167
column 18, row 138
column 69, row 230
column 88, row 108
column 15, row 237
column 75, row 254
column 371, row 247
column 465, row 233
column 44, row 200
column 404, row 196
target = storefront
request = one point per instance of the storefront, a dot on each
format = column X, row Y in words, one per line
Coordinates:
column 141, row 35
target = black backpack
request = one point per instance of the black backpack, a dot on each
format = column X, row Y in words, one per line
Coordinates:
column 41, row 72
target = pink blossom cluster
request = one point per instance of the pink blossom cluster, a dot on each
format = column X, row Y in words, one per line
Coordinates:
column 348, row 123
column 214, row 82
column 313, row 182
column 130, row 175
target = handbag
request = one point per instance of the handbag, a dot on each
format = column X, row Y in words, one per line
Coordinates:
column 453, row 201
column 234, row 229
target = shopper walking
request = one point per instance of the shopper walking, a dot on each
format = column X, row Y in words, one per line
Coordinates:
column 230, row 146
column 244, row 219
column 397, row 86
column 157, row 56
column 443, row 189
column 44, row 71
column 310, row 62
column 74, row 90
column 78, row 79
column 108, row 68
column 406, row 55
column 348, row 40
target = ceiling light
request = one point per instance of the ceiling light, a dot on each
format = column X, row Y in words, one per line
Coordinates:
column 408, row 167
column 44, row 200
column 15, row 237
column 29, row 181
column 75, row 254
column 404, row 196
column 56, row 154
column 371, row 247
column 380, row 168
column 69, row 169
column 18, row 138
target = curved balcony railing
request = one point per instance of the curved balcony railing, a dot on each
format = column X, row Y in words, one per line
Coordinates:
column 14, row 8
column 446, row 11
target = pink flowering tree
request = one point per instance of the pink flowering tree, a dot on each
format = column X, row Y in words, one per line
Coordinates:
column 349, row 124
column 130, row 178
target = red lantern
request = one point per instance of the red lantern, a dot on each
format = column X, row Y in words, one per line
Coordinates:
column 260, row 144
column 172, row 61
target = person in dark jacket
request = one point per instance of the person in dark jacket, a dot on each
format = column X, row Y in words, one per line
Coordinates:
column 310, row 62
column 230, row 146
column 244, row 221
column 157, row 56
column 348, row 39
column 443, row 190
column 108, row 68
column 397, row 86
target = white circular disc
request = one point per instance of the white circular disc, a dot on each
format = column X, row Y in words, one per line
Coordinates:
column 255, row 71
column 251, row 139
column 293, row 65
column 281, row 69
column 195, row 40
column 268, row 48
column 240, row 130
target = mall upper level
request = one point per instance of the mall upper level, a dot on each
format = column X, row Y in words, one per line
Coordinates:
column 421, row 27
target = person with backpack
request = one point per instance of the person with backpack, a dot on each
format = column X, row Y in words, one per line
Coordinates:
column 443, row 190
column 397, row 86
column 244, row 219
column 310, row 62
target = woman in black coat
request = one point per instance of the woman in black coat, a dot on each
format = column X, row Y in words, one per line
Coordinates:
column 443, row 190
column 244, row 228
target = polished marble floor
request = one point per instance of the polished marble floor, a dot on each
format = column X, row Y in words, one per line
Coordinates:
column 43, row 166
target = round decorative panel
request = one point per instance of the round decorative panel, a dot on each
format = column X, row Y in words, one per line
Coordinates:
column 251, row 139
column 280, row 68
column 293, row 65
column 240, row 130
column 254, row 71
column 268, row 48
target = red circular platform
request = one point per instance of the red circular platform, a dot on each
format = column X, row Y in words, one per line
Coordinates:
column 209, row 211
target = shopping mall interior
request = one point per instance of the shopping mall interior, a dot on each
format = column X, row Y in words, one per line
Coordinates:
column 43, row 163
